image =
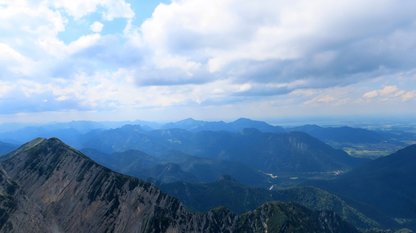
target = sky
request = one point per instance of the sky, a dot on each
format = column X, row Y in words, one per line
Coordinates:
column 63, row 60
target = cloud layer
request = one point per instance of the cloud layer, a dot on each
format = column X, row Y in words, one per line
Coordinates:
column 192, row 54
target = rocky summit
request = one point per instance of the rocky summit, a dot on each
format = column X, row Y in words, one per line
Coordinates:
column 46, row 186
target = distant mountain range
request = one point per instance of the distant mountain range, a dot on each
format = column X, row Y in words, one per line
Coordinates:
column 187, row 158
column 77, row 133
column 70, row 132
column 268, row 152
column 244, row 148
column 46, row 186
column 359, row 142
column 234, row 126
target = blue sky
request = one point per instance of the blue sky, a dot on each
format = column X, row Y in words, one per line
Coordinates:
column 221, row 59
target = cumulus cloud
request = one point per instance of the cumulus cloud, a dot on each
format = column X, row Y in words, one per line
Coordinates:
column 30, row 43
column 96, row 27
column 279, row 41
column 15, row 63
column 200, row 53
column 79, row 8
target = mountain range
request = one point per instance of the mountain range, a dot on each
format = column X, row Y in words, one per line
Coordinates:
column 241, row 168
column 19, row 133
column 234, row 126
column 356, row 141
column 46, row 186
column 274, row 153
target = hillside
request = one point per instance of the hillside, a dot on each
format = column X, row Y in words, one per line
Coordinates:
column 385, row 185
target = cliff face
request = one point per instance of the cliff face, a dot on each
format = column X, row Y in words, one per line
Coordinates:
column 17, row 211
column 46, row 186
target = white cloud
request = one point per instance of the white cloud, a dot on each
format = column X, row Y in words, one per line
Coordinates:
column 408, row 95
column 83, row 42
column 4, row 89
column 304, row 92
column 325, row 99
column 207, row 53
column 31, row 46
column 391, row 92
column 370, row 94
column 25, row 26
column 117, row 9
column 77, row 8
column 227, row 37
column 80, row 8
column 321, row 99
column 388, row 90
column 9, row 54
column 96, row 27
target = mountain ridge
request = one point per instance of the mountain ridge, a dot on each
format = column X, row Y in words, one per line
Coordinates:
column 91, row 198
